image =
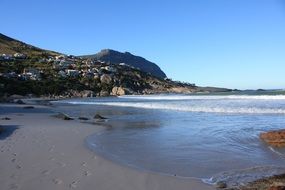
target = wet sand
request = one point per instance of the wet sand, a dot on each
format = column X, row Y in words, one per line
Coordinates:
column 42, row 152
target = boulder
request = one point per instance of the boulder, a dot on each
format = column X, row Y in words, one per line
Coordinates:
column 104, row 93
column 20, row 102
column 63, row 116
column 87, row 93
column 278, row 187
column 106, row 79
column 16, row 96
column 118, row 91
column 83, row 118
column 6, row 118
column 97, row 116
column 28, row 107
column 274, row 138
column 1, row 129
column 221, row 185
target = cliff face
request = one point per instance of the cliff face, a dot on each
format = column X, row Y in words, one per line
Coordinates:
column 115, row 57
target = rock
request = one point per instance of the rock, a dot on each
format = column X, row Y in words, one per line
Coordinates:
column 87, row 93
column 104, row 93
column 63, row 116
column 28, row 107
column 221, row 185
column 97, row 116
column 1, row 129
column 106, row 79
column 6, row 118
column 118, row 91
column 277, row 187
column 274, row 138
column 16, row 96
column 20, row 102
column 83, row 118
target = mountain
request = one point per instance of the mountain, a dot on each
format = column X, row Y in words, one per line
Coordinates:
column 46, row 73
column 115, row 57
column 11, row 46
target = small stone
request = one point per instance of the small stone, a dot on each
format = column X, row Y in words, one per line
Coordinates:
column 29, row 107
column 63, row 116
column 20, row 102
column 97, row 116
column 221, row 185
column 83, row 118
column 277, row 187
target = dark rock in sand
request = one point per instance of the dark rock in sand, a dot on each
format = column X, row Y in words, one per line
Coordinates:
column 1, row 129
column 20, row 102
column 63, row 116
column 276, row 182
column 29, row 107
column 83, row 118
column 6, row 118
column 277, row 187
column 274, row 138
column 221, row 185
column 97, row 116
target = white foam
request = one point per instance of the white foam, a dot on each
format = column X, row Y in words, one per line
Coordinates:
column 204, row 97
column 185, row 108
column 275, row 151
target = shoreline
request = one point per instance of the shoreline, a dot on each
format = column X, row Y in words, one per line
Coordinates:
column 50, row 153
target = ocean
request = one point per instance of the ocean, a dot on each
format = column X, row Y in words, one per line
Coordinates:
column 213, row 137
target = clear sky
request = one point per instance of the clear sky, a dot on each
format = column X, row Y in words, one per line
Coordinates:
column 226, row 43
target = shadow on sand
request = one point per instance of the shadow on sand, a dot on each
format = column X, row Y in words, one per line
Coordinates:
column 7, row 130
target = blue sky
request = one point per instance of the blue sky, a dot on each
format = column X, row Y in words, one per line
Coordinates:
column 226, row 43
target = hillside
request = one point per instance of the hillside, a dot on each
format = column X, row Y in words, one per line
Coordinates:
column 115, row 57
column 11, row 46
column 39, row 72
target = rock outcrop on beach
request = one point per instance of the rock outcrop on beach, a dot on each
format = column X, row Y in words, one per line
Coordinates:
column 271, row 183
column 274, row 138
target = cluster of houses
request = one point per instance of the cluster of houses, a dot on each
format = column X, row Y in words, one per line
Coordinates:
column 12, row 56
column 64, row 66
column 28, row 74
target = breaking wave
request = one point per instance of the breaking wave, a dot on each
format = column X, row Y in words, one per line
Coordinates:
column 187, row 108
column 205, row 97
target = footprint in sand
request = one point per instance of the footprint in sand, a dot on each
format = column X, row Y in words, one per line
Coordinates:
column 73, row 185
column 51, row 149
column 45, row 172
column 13, row 160
column 18, row 167
column 57, row 181
column 14, row 176
column 87, row 173
column 13, row 186
column 61, row 164
column 84, row 164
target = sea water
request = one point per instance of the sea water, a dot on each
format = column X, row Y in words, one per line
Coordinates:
column 213, row 137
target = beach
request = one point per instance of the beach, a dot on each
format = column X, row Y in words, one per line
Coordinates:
column 39, row 151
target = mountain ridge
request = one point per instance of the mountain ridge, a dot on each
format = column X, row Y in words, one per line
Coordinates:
column 10, row 45
column 116, row 57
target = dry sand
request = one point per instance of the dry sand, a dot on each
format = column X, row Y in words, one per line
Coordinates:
column 47, row 153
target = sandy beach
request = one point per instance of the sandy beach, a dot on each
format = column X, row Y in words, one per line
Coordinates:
column 38, row 151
